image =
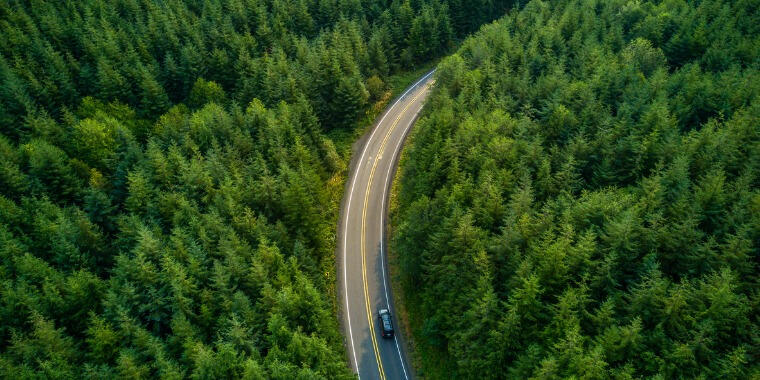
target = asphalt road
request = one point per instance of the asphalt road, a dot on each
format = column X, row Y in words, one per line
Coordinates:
column 363, row 275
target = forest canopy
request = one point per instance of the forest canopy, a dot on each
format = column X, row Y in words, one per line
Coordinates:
column 582, row 196
column 168, row 190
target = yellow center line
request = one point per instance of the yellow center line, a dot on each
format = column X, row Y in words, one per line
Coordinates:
column 364, row 220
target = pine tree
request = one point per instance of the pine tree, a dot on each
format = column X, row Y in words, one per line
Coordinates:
column 153, row 98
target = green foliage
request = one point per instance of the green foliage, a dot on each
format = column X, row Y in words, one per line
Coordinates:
column 579, row 199
column 151, row 57
column 375, row 88
column 168, row 192
column 205, row 92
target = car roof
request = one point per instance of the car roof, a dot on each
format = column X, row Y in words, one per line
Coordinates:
column 383, row 311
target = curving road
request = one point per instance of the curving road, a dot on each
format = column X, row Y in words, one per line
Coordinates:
column 364, row 283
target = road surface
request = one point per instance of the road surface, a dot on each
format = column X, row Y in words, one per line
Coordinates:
column 363, row 275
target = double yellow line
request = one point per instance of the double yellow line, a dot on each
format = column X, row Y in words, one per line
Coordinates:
column 364, row 225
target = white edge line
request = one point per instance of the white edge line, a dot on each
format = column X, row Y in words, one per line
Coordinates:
column 348, row 212
column 382, row 229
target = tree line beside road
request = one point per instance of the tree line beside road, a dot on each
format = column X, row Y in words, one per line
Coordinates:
column 581, row 197
column 168, row 186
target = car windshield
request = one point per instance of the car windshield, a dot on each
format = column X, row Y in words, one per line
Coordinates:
column 386, row 321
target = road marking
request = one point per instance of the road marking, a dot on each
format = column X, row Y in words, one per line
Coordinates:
column 363, row 235
column 348, row 212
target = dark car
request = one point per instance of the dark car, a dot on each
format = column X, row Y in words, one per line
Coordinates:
column 385, row 322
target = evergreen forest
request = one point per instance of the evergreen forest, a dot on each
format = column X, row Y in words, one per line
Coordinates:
column 170, row 182
column 581, row 198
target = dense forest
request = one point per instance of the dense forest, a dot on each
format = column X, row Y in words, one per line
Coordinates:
column 581, row 198
column 168, row 187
